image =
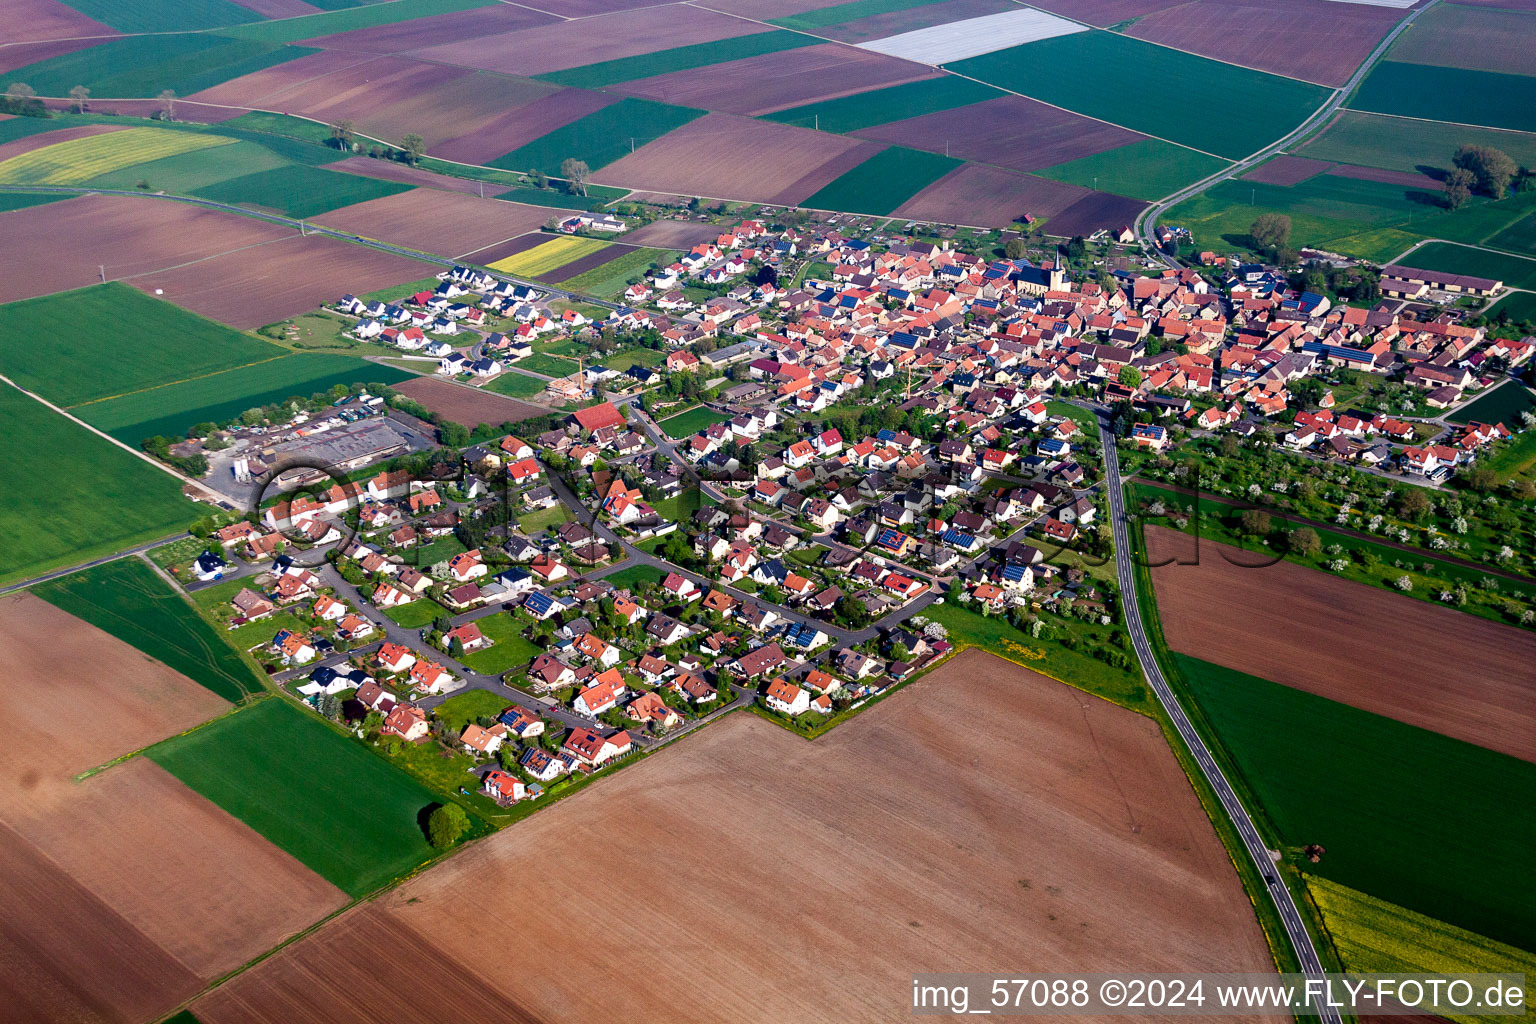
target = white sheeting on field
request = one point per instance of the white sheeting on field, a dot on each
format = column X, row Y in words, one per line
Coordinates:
column 973, row 37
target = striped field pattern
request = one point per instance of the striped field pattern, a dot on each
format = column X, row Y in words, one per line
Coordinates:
column 79, row 160
column 552, row 255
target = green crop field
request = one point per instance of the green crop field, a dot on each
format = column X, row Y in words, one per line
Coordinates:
column 347, row 814
column 879, row 106
column 1458, row 95
column 1518, row 237
column 1406, row 815
column 71, row 496
column 112, row 340
column 883, row 182
column 508, row 650
column 1503, row 404
column 1376, row 937
column 1401, row 144
column 691, row 422
column 1514, row 271
column 1520, row 306
column 1149, row 169
column 144, row 65
column 600, row 138
column 165, row 15
column 609, row 280
column 187, row 172
column 171, row 410
column 679, row 58
column 338, row 19
column 301, row 191
column 21, row 200
column 837, row 14
column 1142, row 86
column 283, row 125
column 554, row 197
column 75, row 161
column 1515, row 459
column 127, row 599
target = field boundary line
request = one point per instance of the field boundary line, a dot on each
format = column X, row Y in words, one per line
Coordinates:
column 184, row 380
column 233, row 709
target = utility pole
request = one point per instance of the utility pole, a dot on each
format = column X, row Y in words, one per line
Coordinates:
column 102, row 268
column 631, row 143
column 482, row 190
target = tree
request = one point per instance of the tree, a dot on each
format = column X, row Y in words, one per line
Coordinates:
column 575, row 172
column 415, row 148
column 1458, row 188
column 1256, row 522
column 82, row 96
column 341, row 134
column 1413, row 504
column 452, row 435
column 1493, row 168
column 540, row 179
column 167, row 100
column 446, row 824
column 1077, row 248
column 20, row 92
column 1304, row 542
column 1130, row 376
column 1270, row 230
column 1014, row 250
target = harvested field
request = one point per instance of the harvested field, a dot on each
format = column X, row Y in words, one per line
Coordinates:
column 59, row 247
column 466, row 405
column 1352, row 643
column 438, row 222
column 890, row 23
column 524, row 124
column 272, row 282
column 941, row 44
column 1011, row 131
column 250, row 90
column 757, row 85
column 674, row 234
column 1262, row 34
column 440, row 28
column 1467, row 37
column 1094, row 211
column 1287, row 170
column 720, row 156
column 989, row 197
column 1408, row 179
column 32, row 20
column 537, row 51
column 1067, row 828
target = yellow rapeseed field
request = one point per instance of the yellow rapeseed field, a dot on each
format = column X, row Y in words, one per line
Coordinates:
column 79, row 160
column 551, row 255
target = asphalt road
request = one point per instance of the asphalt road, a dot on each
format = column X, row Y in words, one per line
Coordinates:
column 1290, row 918
column 1146, row 223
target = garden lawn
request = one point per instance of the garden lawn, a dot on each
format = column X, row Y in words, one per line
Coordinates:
column 686, row 424
column 463, row 709
column 635, row 576
column 442, row 549
column 1143, row 86
column 71, row 496
column 880, row 106
column 112, row 339
column 299, row 190
column 550, row 366
column 883, row 182
column 1489, row 98
column 170, row 411
column 1148, row 169
column 678, row 58
column 309, row 790
column 508, row 649
column 1503, row 404
column 535, row 523
column 1423, row 821
column 515, row 385
column 144, row 65
column 600, row 138
column 421, row 612
column 127, row 599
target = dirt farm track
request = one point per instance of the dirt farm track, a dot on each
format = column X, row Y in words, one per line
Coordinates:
column 985, row 817
column 1382, row 652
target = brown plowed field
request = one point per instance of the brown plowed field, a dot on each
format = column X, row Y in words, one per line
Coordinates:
column 59, row 246
column 765, row 9
column 511, row 247
column 674, row 234
column 1105, row 12
column 203, row 113
column 249, row 90
column 989, row 196
column 1392, row 655
column 126, row 893
column 1381, row 174
column 1465, row 37
column 441, row 28
column 1287, row 170
column 773, row 81
column 1264, row 34
column 27, row 143
column 25, row 21
column 468, row 406
column 22, row 54
column 891, row 23
column 1011, row 131
column 587, row 8
column 273, row 282
column 570, row 44
column 1094, row 211
column 389, row 170
column 280, row 8
column 591, row 261
column 725, row 156
column 522, row 125
column 449, row 223
column 998, row 814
